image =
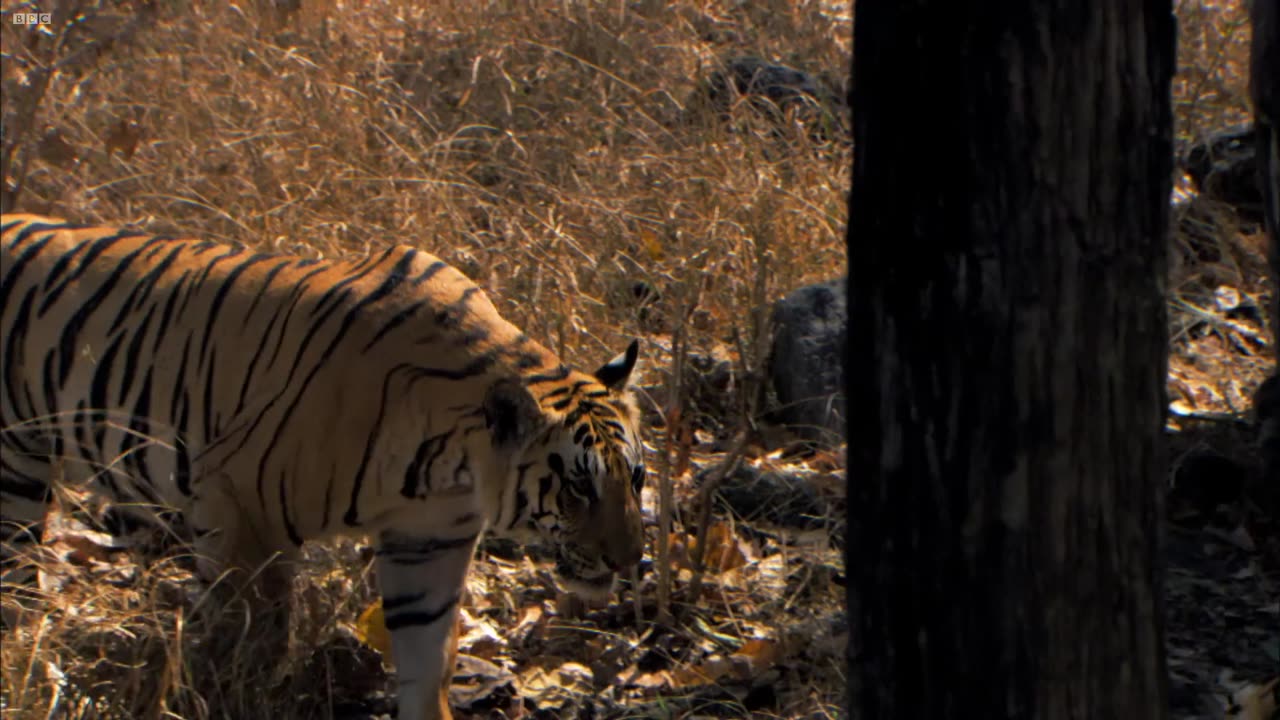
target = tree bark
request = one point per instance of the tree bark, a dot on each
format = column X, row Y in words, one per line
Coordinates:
column 1264, row 90
column 1008, row 349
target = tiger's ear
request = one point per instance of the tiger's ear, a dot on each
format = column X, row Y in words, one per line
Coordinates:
column 511, row 413
column 615, row 373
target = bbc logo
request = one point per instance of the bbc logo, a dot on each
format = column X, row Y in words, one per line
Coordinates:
column 32, row 18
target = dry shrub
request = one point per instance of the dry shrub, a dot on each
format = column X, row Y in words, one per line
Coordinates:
column 1219, row 347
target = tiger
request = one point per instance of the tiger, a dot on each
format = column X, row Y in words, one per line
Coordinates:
column 274, row 399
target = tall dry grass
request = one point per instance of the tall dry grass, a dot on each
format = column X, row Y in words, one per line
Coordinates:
column 1218, row 356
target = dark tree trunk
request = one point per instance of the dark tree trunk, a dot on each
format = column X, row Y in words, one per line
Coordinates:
column 1264, row 86
column 1007, row 249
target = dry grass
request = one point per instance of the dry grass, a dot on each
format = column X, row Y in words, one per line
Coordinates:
column 554, row 153
column 1220, row 344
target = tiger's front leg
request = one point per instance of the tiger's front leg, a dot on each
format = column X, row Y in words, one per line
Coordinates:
column 421, row 578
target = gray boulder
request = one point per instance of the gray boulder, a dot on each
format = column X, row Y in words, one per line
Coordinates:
column 806, row 363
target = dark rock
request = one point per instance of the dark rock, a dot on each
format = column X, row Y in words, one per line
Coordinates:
column 773, row 89
column 772, row 497
column 806, row 364
column 1223, row 166
column 1203, row 482
column 752, row 76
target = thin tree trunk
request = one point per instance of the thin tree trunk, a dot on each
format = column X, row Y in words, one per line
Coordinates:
column 1007, row 249
column 1264, row 87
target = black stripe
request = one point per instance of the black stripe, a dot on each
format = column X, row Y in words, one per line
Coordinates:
column 407, row 619
column 132, row 355
column 284, row 511
column 16, row 268
column 415, row 550
column 140, row 425
column 522, row 503
column 142, row 291
column 27, row 488
column 396, row 601
column 527, row 361
column 478, row 366
column 295, row 298
column 170, row 304
column 262, row 289
column 562, row 390
column 338, row 291
column 98, row 387
column 430, row 272
column 258, row 353
column 328, row 503
column 179, row 412
column 451, row 316
column 71, row 329
column 63, row 262
column 220, row 296
column 419, row 470
column 182, row 469
column 210, row 425
column 96, row 248
column 46, row 382
column 560, row 373
column 17, row 336
column 350, row 517
column 394, row 323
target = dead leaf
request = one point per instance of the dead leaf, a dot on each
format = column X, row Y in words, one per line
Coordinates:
column 684, row 445
column 54, row 149
column 705, row 673
column 652, row 245
column 124, row 136
column 478, row 637
column 84, row 547
column 549, row 687
column 761, row 653
column 371, row 628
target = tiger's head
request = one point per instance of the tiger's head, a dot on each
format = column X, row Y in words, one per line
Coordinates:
column 576, row 469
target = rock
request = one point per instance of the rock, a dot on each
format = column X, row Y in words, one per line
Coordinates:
column 771, row 87
column 773, row 497
column 806, row 363
column 1223, row 166
column 1203, row 482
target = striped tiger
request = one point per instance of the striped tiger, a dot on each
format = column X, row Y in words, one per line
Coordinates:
column 274, row 400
